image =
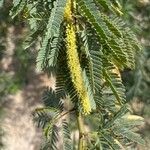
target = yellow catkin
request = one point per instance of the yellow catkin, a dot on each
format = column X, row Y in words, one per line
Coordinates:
column 68, row 13
column 73, row 61
column 75, row 69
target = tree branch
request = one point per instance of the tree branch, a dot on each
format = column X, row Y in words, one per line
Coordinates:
column 81, row 132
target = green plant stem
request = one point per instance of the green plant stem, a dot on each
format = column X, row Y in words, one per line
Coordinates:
column 81, row 132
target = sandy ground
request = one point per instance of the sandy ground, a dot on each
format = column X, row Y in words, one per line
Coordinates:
column 20, row 131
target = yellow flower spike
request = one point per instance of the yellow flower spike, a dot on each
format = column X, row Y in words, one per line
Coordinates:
column 75, row 69
column 73, row 60
column 68, row 13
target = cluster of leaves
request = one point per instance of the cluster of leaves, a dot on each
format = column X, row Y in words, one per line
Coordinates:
column 105, row 46
column 137, row 81
column 137, row 13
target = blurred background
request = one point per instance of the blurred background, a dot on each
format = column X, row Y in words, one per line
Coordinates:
column 21, row 86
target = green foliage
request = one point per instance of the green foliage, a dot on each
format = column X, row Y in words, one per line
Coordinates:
column 137, row 81
column 104, row 45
